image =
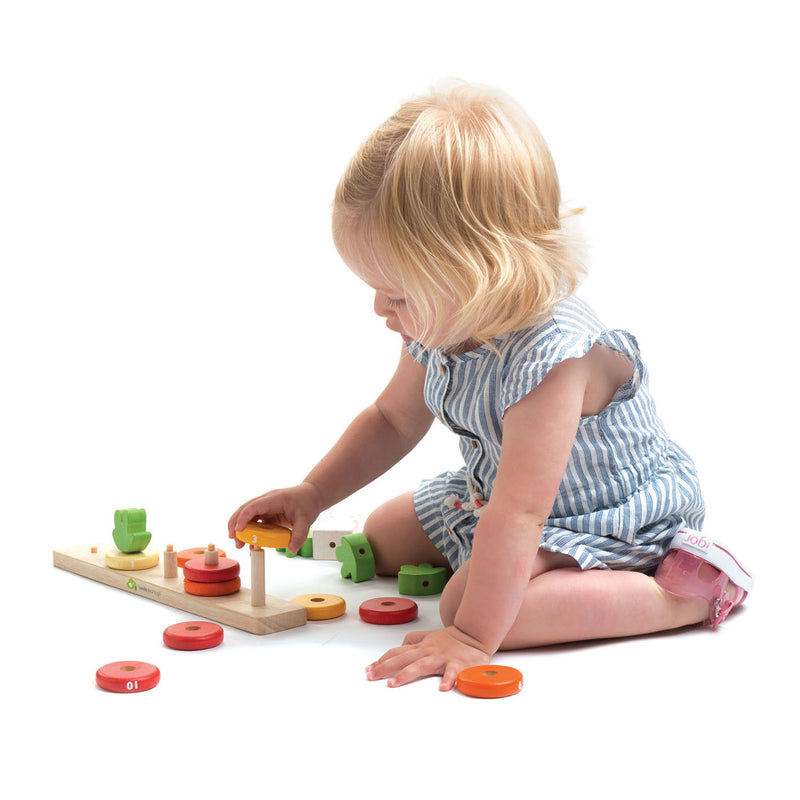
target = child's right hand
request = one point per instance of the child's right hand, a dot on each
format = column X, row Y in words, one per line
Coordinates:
column 296, row 507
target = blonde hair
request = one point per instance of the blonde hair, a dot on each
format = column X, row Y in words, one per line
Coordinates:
column 456, row 196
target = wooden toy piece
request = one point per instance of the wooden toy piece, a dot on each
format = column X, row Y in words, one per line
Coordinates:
column 195, row 552
column 355, row 555
column 197, row 570
column 257, row 577
column 170, row 562
column 388, row 610
column 215, row 589
column 421, row 580
column 306, row 550
column 489, row 681
column 94, row 548
column 116, row 559
column 128, row 676
column 322, row 606
column 325, row 544
column 277, row 614
column 195, row 635
column 262, row 534
column 211, row 556
column 129, row 532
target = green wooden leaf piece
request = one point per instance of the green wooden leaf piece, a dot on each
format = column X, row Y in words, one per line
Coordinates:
column 356, row 558
column 421, row 580
column 129, row 533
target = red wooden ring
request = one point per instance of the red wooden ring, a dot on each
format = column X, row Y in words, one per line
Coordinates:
column 195, row 552
column 489, row 681
column 216, row 589
column 388, row 610
column 194, row 635
column 128, row 676
column 197, row 570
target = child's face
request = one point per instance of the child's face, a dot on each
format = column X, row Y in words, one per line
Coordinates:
column 390, row 300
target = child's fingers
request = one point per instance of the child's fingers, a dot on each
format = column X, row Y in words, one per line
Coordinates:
column 419, row 668
column 415, row 637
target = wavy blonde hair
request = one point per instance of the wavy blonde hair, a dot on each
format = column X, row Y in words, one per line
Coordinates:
column 456, row 196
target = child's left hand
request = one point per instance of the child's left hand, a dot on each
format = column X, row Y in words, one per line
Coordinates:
column 442, row 652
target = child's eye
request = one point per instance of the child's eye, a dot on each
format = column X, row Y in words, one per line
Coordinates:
column 395, row 302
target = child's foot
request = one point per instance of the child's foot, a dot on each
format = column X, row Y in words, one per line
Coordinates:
column 695, row 566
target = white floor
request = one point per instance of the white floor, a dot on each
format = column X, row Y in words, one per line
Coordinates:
column 178, row 334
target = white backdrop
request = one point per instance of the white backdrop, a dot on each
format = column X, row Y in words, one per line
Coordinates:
column 179, row 334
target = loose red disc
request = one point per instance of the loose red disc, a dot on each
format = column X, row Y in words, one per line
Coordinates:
column 195, row 635
column 388, row 610
column 195, row 552
column 196, row 569
column 128, row 676
column 489, row 680
column 216, row 589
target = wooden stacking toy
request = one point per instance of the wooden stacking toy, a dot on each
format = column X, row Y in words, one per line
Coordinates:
column 211, row 576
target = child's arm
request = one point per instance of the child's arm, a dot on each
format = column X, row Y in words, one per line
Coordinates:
column 376, row 440
column 538, row 434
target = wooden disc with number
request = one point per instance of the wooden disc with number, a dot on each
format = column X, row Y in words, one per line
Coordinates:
column 388, row 610
column 194, row 635
column 128, row 676
column 196, row 569
column 218, row 589
column 262, row 534
column 116, row 559
column 321, row 606
column 489, row 681
column 195, row 552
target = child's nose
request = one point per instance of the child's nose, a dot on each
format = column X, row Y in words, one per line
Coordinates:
column 380, row 305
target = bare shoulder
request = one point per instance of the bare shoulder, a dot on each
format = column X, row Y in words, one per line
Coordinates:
column 607, row 371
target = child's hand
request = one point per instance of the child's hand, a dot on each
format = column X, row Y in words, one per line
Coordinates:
column 296, row 507
column 423, row 653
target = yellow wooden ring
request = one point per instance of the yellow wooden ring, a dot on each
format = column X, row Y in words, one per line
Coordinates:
column 321, row 606
column 116, row 559
column 261, row 534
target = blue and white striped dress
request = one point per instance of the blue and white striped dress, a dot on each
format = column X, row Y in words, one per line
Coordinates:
column 627, row 488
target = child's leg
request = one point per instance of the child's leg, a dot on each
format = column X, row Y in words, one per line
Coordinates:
column 397, row 538
column 568, row 604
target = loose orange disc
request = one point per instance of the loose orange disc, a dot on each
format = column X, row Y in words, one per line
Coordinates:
column 489, row 680
column 195, row 635
column 262, row 534
column 217, row 589
column 388, row 610
column 195, row 552
column 196, row 569
column 128, row 676
column 321, row 606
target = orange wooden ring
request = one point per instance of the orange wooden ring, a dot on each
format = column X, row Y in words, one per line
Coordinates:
column 217, row 589
column 195, row 552
column 388, row 610
column 321, row 606
column 489, row 681
column 262, row 534
column 196, row 569
column 128, row 676
column 194, row 635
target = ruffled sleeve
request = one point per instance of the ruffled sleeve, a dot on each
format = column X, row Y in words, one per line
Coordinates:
column 528, row 361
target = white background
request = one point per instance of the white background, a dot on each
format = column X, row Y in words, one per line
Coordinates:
column 178, row 334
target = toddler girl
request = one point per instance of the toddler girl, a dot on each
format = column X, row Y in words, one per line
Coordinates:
column 573, row 515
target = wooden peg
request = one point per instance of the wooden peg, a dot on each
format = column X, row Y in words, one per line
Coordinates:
column 211, row 556
column 170, row 562
column 257, row 583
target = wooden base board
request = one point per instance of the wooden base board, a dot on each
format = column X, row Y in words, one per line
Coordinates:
column 234, row 609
